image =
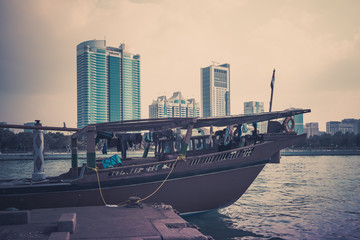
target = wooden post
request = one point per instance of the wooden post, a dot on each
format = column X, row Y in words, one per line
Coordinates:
column 185, row 144
column 90, row 146
column 74, row 157
column 38, row 144
column 146, row 150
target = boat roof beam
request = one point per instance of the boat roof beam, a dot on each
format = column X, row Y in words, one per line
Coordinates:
column 166, row 123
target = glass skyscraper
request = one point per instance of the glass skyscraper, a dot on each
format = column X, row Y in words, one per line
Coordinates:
column 108, row 83
column 215, row 90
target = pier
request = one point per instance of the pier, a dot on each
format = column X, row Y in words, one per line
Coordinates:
column 128, row 222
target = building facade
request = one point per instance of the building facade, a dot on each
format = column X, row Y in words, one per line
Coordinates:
column 348, row 125
column 108, row 83
column 253, row 107
column 354, row 123
column 311, row 129
column 215, row 90
column 176, row 106
column 332, row 127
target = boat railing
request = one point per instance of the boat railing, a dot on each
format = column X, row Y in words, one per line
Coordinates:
column 165, row 166
column 222, row 156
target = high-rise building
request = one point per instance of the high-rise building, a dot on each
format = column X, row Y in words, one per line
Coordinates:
column 311, row 129
column 254, row 107
column 215, row 90
column 299, row 124
column 176, row 106
column 108, row 83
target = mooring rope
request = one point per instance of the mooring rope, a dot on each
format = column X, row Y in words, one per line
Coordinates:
column 157, row 189
column 98, row 180
column 180, row 156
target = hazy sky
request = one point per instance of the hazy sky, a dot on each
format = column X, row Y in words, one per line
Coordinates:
column 314, row 46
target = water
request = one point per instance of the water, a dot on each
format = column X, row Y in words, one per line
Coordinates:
column 300, row 198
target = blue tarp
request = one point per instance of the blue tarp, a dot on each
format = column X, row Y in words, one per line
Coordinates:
column 112, row 161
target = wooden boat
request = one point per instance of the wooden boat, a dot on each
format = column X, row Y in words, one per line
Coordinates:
column 208, row 172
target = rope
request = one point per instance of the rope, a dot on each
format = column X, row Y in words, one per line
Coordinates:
column 180, row 156
column 98, row 180
column 157, row 189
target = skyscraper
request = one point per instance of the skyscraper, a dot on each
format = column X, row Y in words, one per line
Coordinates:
column 176, row 106
column 108, row 83
column 215, row 90
column 253, row 107
column 299, row 124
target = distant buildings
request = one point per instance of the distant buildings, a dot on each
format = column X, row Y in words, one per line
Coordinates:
column 215, row 90
column 176, row 106
column 253, row 107
column 108, row 83
column 349, row 125
column 312, row 129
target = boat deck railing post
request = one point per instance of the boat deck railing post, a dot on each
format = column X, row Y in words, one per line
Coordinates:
column 90, row 146
column 74, row 157
column 187, row 139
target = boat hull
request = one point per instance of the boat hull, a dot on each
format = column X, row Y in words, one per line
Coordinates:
column 185, row 194
column 200, row 183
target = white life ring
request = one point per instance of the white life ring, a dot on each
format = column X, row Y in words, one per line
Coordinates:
column 286, row 124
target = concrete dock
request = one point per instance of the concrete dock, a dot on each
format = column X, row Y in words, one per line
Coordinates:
column 131, row 222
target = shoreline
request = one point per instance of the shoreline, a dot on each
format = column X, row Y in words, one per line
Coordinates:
column 320, row 152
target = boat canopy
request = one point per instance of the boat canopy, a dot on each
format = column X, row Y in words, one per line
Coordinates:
column 167, row 123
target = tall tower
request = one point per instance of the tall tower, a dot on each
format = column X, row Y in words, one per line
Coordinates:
column 215, row 90
column 108, row 83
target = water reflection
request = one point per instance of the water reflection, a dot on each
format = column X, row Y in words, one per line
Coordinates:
column 219, row 225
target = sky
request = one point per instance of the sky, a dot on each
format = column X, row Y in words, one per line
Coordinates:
column 314, row 45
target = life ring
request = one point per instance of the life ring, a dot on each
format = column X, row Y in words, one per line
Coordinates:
column 286, row 124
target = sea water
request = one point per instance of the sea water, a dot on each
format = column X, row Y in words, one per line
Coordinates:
column 300, row 198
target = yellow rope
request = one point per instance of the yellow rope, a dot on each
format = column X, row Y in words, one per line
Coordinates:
column 180, row 156
column 98, row 180
column 143, row 199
